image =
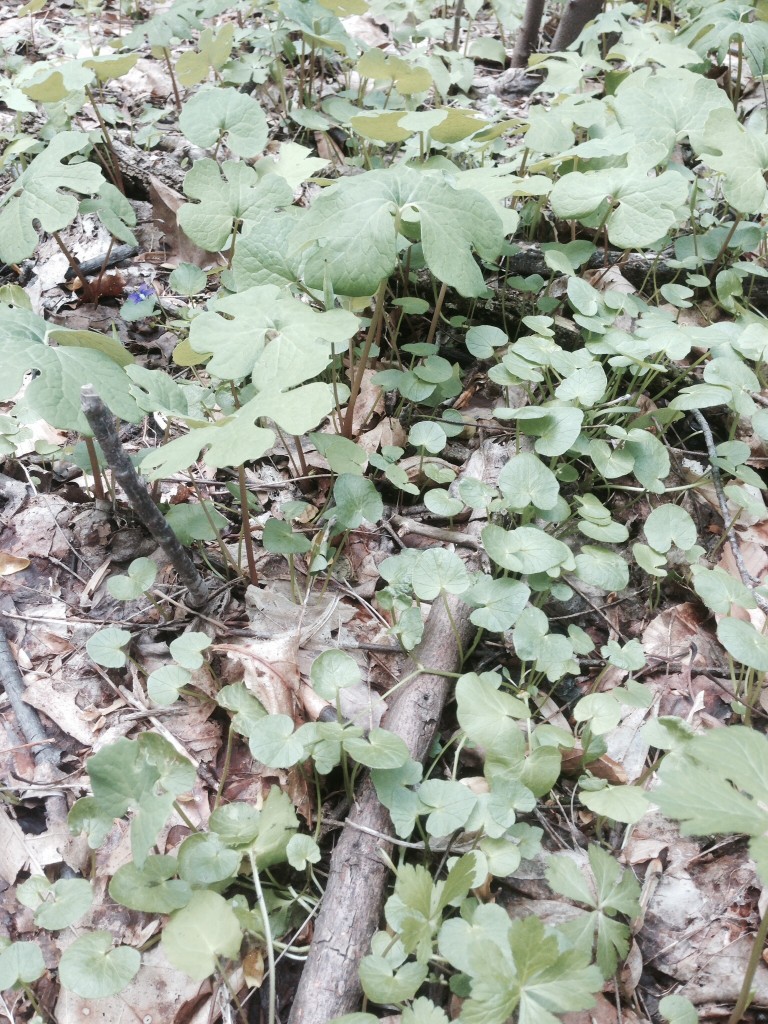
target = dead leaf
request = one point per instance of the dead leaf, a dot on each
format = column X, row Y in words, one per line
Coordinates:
column 10, row 564
column 270, row 671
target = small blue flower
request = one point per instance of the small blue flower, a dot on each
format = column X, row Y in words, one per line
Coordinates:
column 144, row 291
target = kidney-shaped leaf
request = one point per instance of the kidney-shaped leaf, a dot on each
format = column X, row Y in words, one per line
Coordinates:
column 93, row 969
column 201, row 933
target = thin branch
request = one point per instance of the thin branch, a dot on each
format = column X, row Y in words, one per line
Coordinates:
column 26, row 716
column 103, row 427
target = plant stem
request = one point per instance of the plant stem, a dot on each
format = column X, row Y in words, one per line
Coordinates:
column 436, row 315
column 103, row 427
column 72, row 260
column 246, row 521
column 267, row 937
column 745, row 995
column 117, row 176
column 98, row 483
column 357, row 379
column 174, row 83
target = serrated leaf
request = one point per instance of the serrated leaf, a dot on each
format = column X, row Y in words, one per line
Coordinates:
column 719, row 787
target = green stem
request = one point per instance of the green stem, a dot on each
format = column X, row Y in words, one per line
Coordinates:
column 267, row 938
column 436, row 315
column 182, row 814
column 359, row 370
column 98, row 483
column 117, row 176
column 225, row 769
column 174, row 83
column 246, row 522
column 745, row 995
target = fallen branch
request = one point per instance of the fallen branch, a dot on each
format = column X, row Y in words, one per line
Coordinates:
column 354, row 896
column 102, row 424
column 26, row 717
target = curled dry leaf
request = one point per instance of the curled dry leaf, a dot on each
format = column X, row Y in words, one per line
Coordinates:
column 270, row 671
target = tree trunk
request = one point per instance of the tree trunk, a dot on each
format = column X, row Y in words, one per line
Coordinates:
column 528, row 33
column 575, row 16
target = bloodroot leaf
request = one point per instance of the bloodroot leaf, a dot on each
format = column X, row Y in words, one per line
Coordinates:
column 213, row 113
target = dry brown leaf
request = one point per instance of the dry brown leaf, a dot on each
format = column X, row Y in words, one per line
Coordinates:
column 10, row 564
column 670, row 636
column 270, row 670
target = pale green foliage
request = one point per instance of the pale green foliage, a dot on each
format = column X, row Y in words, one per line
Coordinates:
column 275, row 352
column 37, row 194
column 717, row 785
column 382, row 204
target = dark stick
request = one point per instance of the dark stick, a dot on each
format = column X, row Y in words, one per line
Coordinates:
column 26, row 716
column 103, row 427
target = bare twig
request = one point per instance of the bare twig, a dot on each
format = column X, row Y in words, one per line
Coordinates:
column 406, row 525
column 103, row 427
column 26, row 716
